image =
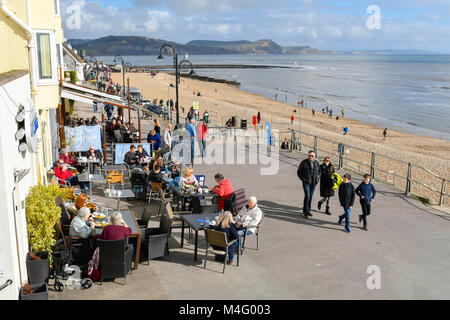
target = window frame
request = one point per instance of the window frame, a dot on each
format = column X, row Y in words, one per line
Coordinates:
column 57, row 8
column 53, row 58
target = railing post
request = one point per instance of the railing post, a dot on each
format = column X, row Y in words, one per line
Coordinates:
column 372, row 166
column 341, row 155
column 408, row 180
column 292, row 140
column 441, row 199
column 315, row 146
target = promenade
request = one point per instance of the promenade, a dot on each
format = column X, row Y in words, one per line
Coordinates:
column 299, row 258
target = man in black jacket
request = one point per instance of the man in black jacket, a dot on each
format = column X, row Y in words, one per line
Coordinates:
column 130, row 157
column 347, row 199
column 309, row 173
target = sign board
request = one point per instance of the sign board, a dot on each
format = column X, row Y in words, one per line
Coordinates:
column 82, row 137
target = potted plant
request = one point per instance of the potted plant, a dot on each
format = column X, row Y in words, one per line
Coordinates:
column 42, row 215
column 34, row 292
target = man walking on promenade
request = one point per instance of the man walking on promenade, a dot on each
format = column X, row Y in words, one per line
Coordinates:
column 259, row 116
column 309, row 173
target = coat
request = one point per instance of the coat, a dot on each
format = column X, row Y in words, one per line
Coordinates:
column 304, row 172
column 346, row 196
column 224, row 190
column 326, row 183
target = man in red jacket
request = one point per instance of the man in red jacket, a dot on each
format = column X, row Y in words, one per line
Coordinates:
column 223, row 190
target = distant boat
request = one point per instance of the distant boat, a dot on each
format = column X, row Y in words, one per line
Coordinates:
column 186, row 57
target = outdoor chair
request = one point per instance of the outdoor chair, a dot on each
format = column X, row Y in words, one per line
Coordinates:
column 115, row 259
column 64, row 221
column 217, row 239
column 256, row 233
column 114, row 177
column 176, row 222
column 145, row 218
column 201, row 180
column 157, row 240
column 240, row 199
column 154, row 193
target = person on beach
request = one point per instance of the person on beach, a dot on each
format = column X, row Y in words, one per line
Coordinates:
column 259, row 116
column 309, row 173
column 292, row 119
column 326, row 184
column 331, row 113
column 228, row 123
column 206, row 116
column 342, row 112
column 366, row 193
column 346, row 198
column 345, row 130
column 313, row 113
column 254, row 121
column 384, row 133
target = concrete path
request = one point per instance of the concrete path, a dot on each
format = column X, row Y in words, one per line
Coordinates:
column 302, row 258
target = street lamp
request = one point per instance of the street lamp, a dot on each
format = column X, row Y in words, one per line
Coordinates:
column 184, row 64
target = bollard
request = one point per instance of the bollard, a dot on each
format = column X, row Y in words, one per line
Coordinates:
column 315, row 146
column 408, row 180
column 372, row 167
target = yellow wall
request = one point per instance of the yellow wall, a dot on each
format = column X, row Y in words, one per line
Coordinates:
column 13, row 48
column 43, row 17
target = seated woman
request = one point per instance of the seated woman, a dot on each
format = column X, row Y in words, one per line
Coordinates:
column 189, row 180
column 158, row 161
column 117, row 229
column 67, row 158
column 225, row 224
column 62, row 173
column 83, row 224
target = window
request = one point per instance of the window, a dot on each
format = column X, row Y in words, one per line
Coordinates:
column 44, row 56
column 57, row 12
column 58, row 53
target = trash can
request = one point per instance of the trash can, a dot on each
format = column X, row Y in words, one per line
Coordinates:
column 243, row 123
column 233, row 121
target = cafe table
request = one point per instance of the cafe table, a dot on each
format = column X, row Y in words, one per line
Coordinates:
column 118, row 194
column 199, row 200
column 196, row 222
column 130, row 220
column 95, row 178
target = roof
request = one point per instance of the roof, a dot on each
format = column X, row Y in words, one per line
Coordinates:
column 73, row 53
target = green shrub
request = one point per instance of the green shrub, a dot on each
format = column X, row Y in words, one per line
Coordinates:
column 42, row 216
column 73, row 76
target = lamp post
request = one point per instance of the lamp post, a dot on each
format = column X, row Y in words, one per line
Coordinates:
column 116, row 58
column 170, row 51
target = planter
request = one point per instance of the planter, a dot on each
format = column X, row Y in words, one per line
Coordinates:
column 40, row 292
column 38, row 270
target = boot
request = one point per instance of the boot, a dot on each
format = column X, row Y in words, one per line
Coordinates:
column 360, row 218
column 319, row 204
column 365, row 228
column 327, row 211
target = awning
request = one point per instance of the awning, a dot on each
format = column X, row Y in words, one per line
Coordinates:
column 72, row 95
column 97, row 93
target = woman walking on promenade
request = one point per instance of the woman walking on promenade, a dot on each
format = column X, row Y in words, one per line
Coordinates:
column 157, row 126
column 326, row 184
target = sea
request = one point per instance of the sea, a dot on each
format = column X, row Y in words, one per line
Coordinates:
column 410, row 93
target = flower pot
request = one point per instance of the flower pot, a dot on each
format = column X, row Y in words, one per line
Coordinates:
column 40, row 292
column 38, row 270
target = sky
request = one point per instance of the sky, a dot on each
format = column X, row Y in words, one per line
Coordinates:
column 345, row 25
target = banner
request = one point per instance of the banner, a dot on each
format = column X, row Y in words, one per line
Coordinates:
column 82, row 137
column 123, row 148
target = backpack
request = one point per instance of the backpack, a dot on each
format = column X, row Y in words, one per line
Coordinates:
column 337, row 180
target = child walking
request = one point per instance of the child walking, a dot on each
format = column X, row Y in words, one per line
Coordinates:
column 346, row 198
column 366, row 192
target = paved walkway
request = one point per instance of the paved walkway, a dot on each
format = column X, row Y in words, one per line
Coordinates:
column 302, row 258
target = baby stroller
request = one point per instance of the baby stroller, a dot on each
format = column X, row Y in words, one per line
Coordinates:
column 138, row 180
column 67, row 275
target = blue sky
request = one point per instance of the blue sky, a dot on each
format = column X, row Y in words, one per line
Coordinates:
column 323, row 24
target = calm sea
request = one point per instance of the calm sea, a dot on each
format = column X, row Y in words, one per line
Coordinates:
column 406, row 92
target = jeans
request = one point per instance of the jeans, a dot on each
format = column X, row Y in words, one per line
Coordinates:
column 309, row 192
column 231, row 251
column 192, row 150
column 203, row 147
column 346, row 216
column 366, row 210
column 240, row 232
column 74, row 181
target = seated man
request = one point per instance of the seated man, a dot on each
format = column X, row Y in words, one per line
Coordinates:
column 141, row 153
column 157, row 176
column 83, row 224
column 249, row 216
column 93, row 154
column 62, row 173
column 130, row 157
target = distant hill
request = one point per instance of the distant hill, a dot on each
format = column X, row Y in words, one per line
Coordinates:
column 135, row 45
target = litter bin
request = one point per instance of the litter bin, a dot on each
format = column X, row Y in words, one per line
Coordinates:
column 243, row 123
column 233, row 121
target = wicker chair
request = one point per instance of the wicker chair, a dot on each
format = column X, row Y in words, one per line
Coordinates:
column 115, row 259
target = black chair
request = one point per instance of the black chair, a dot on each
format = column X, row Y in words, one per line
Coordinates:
column 157, row 240
column 240, row 199
column 145, row 218
column 64, row 221
column 115, row 259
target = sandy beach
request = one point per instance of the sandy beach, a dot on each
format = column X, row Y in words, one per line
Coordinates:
column 223, row 101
